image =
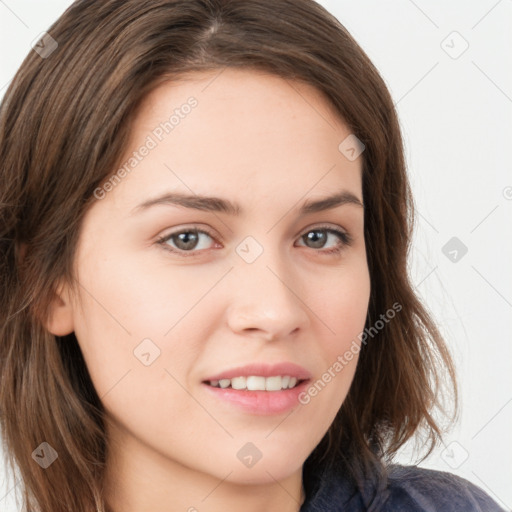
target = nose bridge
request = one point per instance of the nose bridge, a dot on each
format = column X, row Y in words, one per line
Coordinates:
column 265, row 296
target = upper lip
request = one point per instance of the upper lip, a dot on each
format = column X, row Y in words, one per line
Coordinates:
column 263, row 370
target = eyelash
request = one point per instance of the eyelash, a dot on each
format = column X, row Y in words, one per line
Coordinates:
column 346, row 240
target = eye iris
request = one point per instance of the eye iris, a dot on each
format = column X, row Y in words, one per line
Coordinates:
column 318, row 241
column 187, row 239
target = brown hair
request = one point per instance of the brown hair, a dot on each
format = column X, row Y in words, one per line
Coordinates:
column 64, row 124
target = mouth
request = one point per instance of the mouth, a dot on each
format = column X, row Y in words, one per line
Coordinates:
column 257, row 383
column 259, row 389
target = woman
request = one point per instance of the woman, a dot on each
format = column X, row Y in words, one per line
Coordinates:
column 205, row 219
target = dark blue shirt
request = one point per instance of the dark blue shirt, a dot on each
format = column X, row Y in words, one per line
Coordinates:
column 409, row 489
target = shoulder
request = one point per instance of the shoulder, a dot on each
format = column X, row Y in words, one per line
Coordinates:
column 411, row 488
column 406, row 489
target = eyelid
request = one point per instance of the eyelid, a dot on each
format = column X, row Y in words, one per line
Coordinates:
column 326, row 226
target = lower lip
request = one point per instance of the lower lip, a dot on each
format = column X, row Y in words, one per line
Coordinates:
column 260, row 402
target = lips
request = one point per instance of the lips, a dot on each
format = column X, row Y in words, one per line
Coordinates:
column 250, row 396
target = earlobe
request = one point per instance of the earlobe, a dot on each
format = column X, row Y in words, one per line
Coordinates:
column 60, row 316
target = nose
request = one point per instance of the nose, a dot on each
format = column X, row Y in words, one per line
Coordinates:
column 267, row 300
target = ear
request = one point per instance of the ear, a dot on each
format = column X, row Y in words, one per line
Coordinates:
column 60, row 316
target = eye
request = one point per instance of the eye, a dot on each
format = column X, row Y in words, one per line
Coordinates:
column 318, row 237
column 190, row 241
column 185, row 241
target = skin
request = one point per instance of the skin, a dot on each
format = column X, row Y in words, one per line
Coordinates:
column 269, row 144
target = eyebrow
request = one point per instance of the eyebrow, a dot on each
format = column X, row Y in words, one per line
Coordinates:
column 217, row 204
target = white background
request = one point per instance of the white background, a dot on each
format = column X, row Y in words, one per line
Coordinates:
column 456, row 113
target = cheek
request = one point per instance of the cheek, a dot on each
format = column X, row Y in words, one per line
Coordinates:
column 125, row 316
column 141, row 327
column 136, row 298
column 342, row 307
column 126, row 299
column 341, row 304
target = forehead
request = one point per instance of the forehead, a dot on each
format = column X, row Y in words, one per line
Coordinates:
column 244, row 89
column 238, row 131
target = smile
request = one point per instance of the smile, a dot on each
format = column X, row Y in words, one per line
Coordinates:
column 256, row 383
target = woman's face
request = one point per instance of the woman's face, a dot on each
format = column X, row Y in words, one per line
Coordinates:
column 270, row 288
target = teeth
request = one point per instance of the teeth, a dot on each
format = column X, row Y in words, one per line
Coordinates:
column 238, row 383
column 273, row 383
column 224, row 383
column 257, row 383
